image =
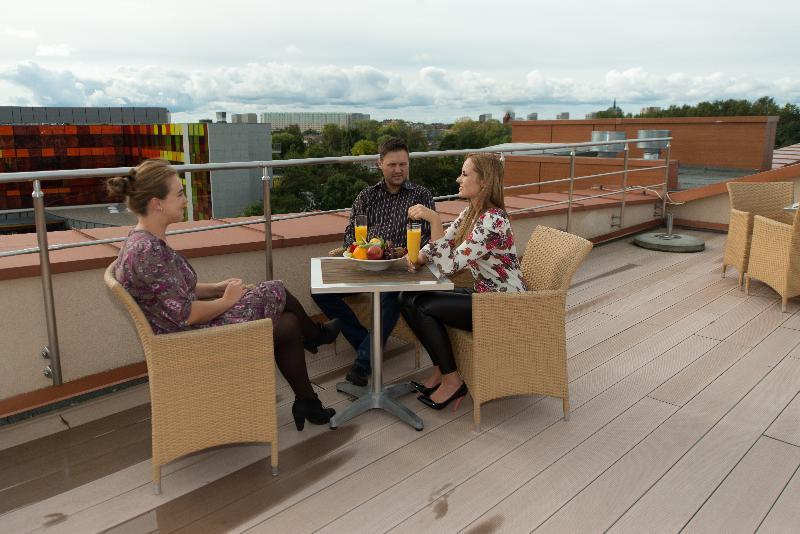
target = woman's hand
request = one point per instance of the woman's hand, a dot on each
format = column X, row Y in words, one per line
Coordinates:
column 418, row 211
column 234, row 289
column 414, row 265
column 220, row 287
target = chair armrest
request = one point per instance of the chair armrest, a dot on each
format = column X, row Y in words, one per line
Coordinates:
column 223, row 345
column 505, row 322
column 771, row 228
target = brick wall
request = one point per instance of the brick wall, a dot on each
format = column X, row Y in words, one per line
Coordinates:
column 723, row 142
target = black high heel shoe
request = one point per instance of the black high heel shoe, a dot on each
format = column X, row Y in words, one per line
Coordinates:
column 327, row 333
column 458, row 396
column 425, row 390
column 311, row 409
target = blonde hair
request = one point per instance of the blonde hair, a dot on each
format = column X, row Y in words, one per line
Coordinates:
column 490, row 171
column 150, row 179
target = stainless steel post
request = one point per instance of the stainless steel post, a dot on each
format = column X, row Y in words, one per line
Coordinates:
column 624, row 186
column 47, row 285
column 376, row 345
column 571, row 188
column 266, row 182
column 666, row 180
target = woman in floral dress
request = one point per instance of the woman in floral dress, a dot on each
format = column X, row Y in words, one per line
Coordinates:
column 165, row 286
column 480, row 240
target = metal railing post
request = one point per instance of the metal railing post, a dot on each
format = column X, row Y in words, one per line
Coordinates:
column 266, row 182
column 624, row 186
column 571, row 188
column 666, row 180
column 51, row 350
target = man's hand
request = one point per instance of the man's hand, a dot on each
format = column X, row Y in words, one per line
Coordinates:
column 418, row 211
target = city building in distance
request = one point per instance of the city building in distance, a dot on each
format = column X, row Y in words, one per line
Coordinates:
column 310, row 120
column 244, row 118
column 484, row 117
column 93, row 115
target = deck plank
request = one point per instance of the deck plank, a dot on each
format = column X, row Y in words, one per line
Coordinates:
column 599, row 506
column 787, row 426
column 785, row 514
column 675, row 498
column 743, row 499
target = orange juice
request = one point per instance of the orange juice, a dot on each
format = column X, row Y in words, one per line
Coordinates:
column 361, row 233
column 413, row 239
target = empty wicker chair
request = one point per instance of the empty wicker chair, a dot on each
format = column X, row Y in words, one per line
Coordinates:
column 208, row 387
column 530, row 355
column 748, row 200
column 775, row 256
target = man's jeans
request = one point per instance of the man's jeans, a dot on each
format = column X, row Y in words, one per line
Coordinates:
column 334, row 307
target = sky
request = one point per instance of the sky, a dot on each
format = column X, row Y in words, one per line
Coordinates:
column 418, row 60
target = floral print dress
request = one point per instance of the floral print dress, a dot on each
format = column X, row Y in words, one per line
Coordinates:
column 163, row 284
column 488, row 251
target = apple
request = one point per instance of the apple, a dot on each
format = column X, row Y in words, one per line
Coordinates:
column 375, row 252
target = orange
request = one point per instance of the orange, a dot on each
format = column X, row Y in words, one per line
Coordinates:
column 360, row 253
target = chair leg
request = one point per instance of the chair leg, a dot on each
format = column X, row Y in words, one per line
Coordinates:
column 273, row 453
column 565, row 404
column 741, row 275
column 724, row 268
column 784, row 302
column 156, row 479
column 747, row 284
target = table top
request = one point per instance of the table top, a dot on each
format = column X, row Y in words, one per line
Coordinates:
column 342, row 275
column 793, row 207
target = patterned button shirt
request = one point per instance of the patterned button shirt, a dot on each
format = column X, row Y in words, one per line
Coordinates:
column 387, row 213
column 488, row 251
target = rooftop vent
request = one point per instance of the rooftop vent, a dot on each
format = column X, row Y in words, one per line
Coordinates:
column 222, row 116
column 608, row 151
column 652, row 149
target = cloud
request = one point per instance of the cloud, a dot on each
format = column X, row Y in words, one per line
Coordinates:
column 20, row 34
column 437, row 91
column 59, row 50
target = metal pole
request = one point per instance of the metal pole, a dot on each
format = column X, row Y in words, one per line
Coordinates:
column 51, row 350
column 376, row 345
column 624, row 186
column 666, row 180
column 266, row 182
column 571, row 187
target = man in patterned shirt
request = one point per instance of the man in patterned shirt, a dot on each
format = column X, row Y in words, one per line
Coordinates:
column 386, row 206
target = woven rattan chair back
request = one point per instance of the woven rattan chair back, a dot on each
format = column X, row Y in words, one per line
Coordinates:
column 761, row 198
column 143, row 328
column 552, row 257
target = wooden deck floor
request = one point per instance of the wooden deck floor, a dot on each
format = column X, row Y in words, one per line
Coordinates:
column 686, row 416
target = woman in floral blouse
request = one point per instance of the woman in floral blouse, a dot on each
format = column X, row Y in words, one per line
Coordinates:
column 165, row 286
column 480, row 240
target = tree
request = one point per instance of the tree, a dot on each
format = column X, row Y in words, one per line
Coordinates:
column 364, row 147
column 340, row 190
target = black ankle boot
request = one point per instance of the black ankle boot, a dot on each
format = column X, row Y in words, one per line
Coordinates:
column 311, row 409
column 326, row 333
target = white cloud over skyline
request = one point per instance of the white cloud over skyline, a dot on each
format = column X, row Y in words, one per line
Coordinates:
column 422, row 61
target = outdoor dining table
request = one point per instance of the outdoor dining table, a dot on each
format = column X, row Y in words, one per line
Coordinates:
column 343, row 275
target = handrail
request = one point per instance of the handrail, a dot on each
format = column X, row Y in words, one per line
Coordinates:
column 108, row 172
column 51, row 350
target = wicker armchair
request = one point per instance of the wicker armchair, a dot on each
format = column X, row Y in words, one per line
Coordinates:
column 208, row 387
column 362, row 308
column 518, row 342
column 775, row 256
column 747, row 201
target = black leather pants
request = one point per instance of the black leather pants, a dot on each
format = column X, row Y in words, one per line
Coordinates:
column 428, row 312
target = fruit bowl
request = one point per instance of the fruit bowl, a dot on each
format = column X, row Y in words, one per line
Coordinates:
column 374, row 265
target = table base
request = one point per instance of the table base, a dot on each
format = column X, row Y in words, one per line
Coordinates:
column 376, row 400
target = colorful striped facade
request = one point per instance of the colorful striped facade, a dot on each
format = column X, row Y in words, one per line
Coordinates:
column 46, row 147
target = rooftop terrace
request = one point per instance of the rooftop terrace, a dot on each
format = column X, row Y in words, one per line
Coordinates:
column 686, row 415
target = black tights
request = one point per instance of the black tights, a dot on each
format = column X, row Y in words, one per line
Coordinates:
column 287, row 333
column 428, row 312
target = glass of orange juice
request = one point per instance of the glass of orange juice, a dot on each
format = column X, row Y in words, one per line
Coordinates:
column 361, row 228
column 413, row 239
